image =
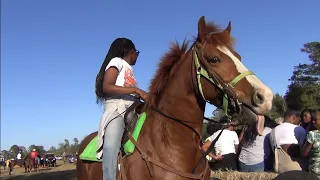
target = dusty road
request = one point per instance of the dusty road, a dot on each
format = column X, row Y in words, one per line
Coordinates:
column 62, row 172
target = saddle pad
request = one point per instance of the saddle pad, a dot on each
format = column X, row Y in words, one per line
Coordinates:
column 89, row 153
column 129, row 146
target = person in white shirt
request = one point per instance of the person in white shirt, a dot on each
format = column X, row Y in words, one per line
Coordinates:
column 225, row 148
column 286, row 141
column 19, row 156
column 19, row 160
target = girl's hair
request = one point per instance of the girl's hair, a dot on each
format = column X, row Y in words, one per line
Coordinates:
column 251, row 133
column 312, row 114
column 119, row 48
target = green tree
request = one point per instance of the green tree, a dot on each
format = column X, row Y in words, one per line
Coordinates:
column 66, row 145
column 60, row 149
column 14, row 150
column 75, row 142
column 278, row 106
column 6, row 154
column 209, row 127
column 304, row 88
column 75, row 146
column 53, row 149
column 39, row 149
column 204, row 131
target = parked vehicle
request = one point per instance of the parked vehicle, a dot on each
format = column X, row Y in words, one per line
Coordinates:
column 50, row 160
column 58, row 157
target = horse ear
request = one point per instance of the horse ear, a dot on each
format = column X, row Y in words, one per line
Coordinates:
column 228, row 29
column 202, row 28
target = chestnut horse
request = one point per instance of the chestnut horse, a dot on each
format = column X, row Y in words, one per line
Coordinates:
column 168, row 146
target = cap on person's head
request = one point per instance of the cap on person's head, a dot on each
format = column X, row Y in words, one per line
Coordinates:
column 34, row 150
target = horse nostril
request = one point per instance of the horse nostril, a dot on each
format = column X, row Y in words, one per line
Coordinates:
column 258, row 98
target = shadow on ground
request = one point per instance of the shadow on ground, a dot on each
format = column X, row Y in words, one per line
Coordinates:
column 59, row 175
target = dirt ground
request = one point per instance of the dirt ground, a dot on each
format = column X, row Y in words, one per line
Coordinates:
column 68, row 172
column 61, row 172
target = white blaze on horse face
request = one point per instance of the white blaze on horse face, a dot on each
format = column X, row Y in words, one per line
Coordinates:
column 256, row 84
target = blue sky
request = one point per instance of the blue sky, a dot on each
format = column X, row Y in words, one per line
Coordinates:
column 51, row 52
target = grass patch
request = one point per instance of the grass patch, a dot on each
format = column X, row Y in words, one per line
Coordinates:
column 236, row 175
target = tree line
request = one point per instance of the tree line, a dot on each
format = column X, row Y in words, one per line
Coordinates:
column 65, row 146
column 302, row 92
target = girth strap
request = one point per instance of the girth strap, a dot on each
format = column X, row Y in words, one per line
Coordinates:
column 122, row 174
column 149, row 160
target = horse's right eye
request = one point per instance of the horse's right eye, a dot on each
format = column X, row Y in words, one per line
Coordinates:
column 214, row 60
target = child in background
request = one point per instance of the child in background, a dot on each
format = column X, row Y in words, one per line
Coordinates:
column 312, row 146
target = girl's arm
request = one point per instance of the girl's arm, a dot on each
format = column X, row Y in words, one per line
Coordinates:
column 109, row 87
column 308, row 144
column 306, row 149
column 205, row 147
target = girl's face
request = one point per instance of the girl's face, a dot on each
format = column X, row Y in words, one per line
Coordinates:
column 306, row 117
column 134, row 56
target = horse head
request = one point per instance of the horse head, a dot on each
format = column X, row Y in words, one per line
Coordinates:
column 224, row 81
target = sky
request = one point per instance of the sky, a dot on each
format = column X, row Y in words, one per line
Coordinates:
column 51, row 52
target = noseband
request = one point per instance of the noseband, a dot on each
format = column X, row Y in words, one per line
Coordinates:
column 229, row 94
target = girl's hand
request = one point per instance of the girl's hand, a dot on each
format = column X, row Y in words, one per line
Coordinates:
column 143, row 95
column 218, row 157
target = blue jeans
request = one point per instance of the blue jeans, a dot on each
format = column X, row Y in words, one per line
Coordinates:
column 251, row 168
column 111, row 146
column 38, row 161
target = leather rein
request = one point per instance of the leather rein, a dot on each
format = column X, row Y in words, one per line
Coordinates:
column 230, row 104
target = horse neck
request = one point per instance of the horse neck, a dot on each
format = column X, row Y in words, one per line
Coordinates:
column 179, row 100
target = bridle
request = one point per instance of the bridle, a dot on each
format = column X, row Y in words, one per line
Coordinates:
column 230, row 104
column 229, row 94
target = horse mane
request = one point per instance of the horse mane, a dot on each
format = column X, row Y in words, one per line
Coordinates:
column 167, row 62
column 175, row 55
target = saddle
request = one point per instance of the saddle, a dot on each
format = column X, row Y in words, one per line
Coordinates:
column 130, row 119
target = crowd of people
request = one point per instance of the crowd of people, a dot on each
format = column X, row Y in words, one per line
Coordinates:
column 291, row 142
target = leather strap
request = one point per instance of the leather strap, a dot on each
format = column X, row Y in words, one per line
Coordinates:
column 149, row 160
column 122, row 173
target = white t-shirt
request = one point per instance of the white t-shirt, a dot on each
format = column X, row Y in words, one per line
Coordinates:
column 19, row 156
column 287, row 133
column 226, row 143
column 125, row 77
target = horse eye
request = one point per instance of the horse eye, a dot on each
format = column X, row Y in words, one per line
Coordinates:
column 214, row 60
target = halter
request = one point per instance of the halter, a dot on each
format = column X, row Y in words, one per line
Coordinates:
column 227, row 88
